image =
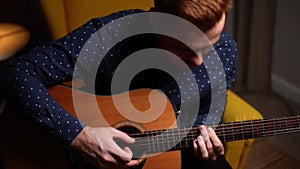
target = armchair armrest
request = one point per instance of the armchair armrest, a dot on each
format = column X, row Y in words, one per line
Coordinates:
column 237, row 109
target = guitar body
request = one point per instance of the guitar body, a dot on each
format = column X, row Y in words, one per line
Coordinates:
column 34, row 146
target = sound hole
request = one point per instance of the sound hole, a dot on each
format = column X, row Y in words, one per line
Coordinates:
column 129, row 129
column 137, row 152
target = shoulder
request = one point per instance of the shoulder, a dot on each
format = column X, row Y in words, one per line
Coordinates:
column 226, row 47
column 226, row 41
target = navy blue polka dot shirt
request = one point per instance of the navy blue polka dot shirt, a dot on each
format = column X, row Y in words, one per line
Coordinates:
column 26, row 80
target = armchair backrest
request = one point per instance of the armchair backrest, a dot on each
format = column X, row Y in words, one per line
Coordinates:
column 65, row 15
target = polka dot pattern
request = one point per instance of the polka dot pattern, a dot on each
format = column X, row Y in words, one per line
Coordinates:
column 25, row 81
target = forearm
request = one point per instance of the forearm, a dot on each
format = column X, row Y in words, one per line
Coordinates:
column 32, row 99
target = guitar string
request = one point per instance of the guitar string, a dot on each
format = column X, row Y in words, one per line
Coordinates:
column 190, row 138
column 159, row 144
column 246, row 124
column 160, row 147
column 246, row 127
column 192, row 135
column 222, row 134
column 160, row 141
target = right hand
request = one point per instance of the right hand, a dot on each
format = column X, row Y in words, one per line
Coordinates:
column 99, row 148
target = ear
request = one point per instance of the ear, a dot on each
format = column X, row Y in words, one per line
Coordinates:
column 153, row 9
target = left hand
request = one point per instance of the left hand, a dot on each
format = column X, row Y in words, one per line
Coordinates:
column 207, row 145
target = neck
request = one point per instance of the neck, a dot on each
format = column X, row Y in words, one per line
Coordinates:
column 175, row 139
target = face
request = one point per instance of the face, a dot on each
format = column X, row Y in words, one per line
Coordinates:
column 190, row 57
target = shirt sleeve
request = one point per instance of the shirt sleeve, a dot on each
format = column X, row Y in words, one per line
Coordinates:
column 24, row 83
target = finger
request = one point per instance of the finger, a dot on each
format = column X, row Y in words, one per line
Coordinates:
column 120, row 154
column 106, row 160
column 206, row 138
column 113, row 161
column 200, row 148
column 217, row 144
column 209, row 146
column 132, row 163
column 123, row 136
column 108, row 165
column 196, row 149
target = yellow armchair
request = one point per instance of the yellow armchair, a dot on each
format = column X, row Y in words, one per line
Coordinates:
column 65, row 15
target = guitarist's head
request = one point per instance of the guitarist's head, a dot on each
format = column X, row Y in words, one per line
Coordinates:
column 203, row 13
column 208, row 15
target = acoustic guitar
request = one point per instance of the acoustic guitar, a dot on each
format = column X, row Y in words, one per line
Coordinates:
column 157, row 140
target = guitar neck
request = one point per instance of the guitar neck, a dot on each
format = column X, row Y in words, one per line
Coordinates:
column 176, row 139
column 258, row 128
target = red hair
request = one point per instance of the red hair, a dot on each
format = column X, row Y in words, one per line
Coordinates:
column 203, row 13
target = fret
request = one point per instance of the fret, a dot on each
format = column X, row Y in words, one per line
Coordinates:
column 298, row 121
column 158, row 142
column 281, row 124
column 274, row 126
column 178, row 138
column 192, row 137
column 173, row 141
column 286, row 122
column 258, row 130
column 153, row 142
column 242, row 129
column 252, row 129
column 149, row 145
column 166, row 140
column 197, row 133
column 185, row 138
column 181, row 137
column 263, row 127
column 183, row 141
column 161, row 142
column 239, row 131
column 224, row 135
column 232, row 131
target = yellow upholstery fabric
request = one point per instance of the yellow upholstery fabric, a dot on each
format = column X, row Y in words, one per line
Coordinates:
column 236, row 110
column 55, row 15
column 66, row 15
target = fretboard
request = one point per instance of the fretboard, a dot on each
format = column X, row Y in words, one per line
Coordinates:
column 175, row 139
column 258, row 128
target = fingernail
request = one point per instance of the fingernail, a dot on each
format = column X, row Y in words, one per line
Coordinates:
column 210, row 129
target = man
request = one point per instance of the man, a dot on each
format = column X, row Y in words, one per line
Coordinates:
column 27, row 79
